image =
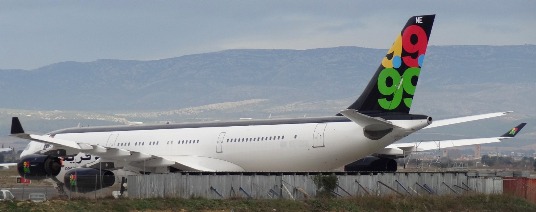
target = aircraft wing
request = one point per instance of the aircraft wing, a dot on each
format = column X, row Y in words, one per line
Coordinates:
column 403, row 149
column 5, row 166
column 458, row 120
column 138, row 159
column 194, row 163
column 5, row 149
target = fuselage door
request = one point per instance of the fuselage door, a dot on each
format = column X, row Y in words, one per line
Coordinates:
column 318, row 135
column 219, row 142
column 112, row 138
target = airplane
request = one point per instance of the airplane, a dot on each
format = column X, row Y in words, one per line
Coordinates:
column 383, row 160
column 5, row 166
column 378, row 118
column 5, row 150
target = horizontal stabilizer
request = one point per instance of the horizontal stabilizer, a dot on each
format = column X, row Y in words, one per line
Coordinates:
column 367, row 121
column 445, row 122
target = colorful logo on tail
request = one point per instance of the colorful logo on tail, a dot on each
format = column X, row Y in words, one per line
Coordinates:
column 513, row 131
column 402, row 66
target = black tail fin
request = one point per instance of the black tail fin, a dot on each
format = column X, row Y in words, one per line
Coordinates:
column 392, row 87
column 513, row 132
column 16, row 127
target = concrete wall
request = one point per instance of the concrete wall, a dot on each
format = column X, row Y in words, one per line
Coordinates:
column 301, row 186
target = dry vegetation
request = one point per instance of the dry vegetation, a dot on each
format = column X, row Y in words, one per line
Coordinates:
column 471, row 202
column 423, row 203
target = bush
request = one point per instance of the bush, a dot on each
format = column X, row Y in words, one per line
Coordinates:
column 325, row 185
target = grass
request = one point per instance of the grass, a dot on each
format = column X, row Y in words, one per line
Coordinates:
column 476, row 202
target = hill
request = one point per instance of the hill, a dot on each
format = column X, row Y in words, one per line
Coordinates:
column 282, row 76
column 259, row 83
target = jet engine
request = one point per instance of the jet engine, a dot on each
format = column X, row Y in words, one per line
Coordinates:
column 39, row 167
column 372, row 164
column 85, row 180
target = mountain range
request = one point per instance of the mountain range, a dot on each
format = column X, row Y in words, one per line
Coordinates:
column 261, row 83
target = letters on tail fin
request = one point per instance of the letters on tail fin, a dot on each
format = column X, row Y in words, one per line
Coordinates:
column 393, row 85
column 513, row 132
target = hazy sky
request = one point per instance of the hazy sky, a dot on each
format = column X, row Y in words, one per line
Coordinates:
column 39, row 33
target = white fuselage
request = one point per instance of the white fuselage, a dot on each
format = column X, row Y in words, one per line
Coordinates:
column 320, row 146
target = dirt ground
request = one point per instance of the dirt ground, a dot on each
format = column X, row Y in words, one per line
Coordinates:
column 8, row 178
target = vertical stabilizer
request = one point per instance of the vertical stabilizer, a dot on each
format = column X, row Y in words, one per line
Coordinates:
column 393, row 85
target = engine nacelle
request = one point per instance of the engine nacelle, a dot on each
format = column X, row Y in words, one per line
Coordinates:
column 39, row 167
column 372, row 164
column 87, row 179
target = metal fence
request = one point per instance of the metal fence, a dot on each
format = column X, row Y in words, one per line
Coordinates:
column 521, row 186
column 302, row 186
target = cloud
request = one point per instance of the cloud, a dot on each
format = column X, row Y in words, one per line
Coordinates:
column 36, row 33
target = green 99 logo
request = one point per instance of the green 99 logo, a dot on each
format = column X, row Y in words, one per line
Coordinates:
column 393, row 85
